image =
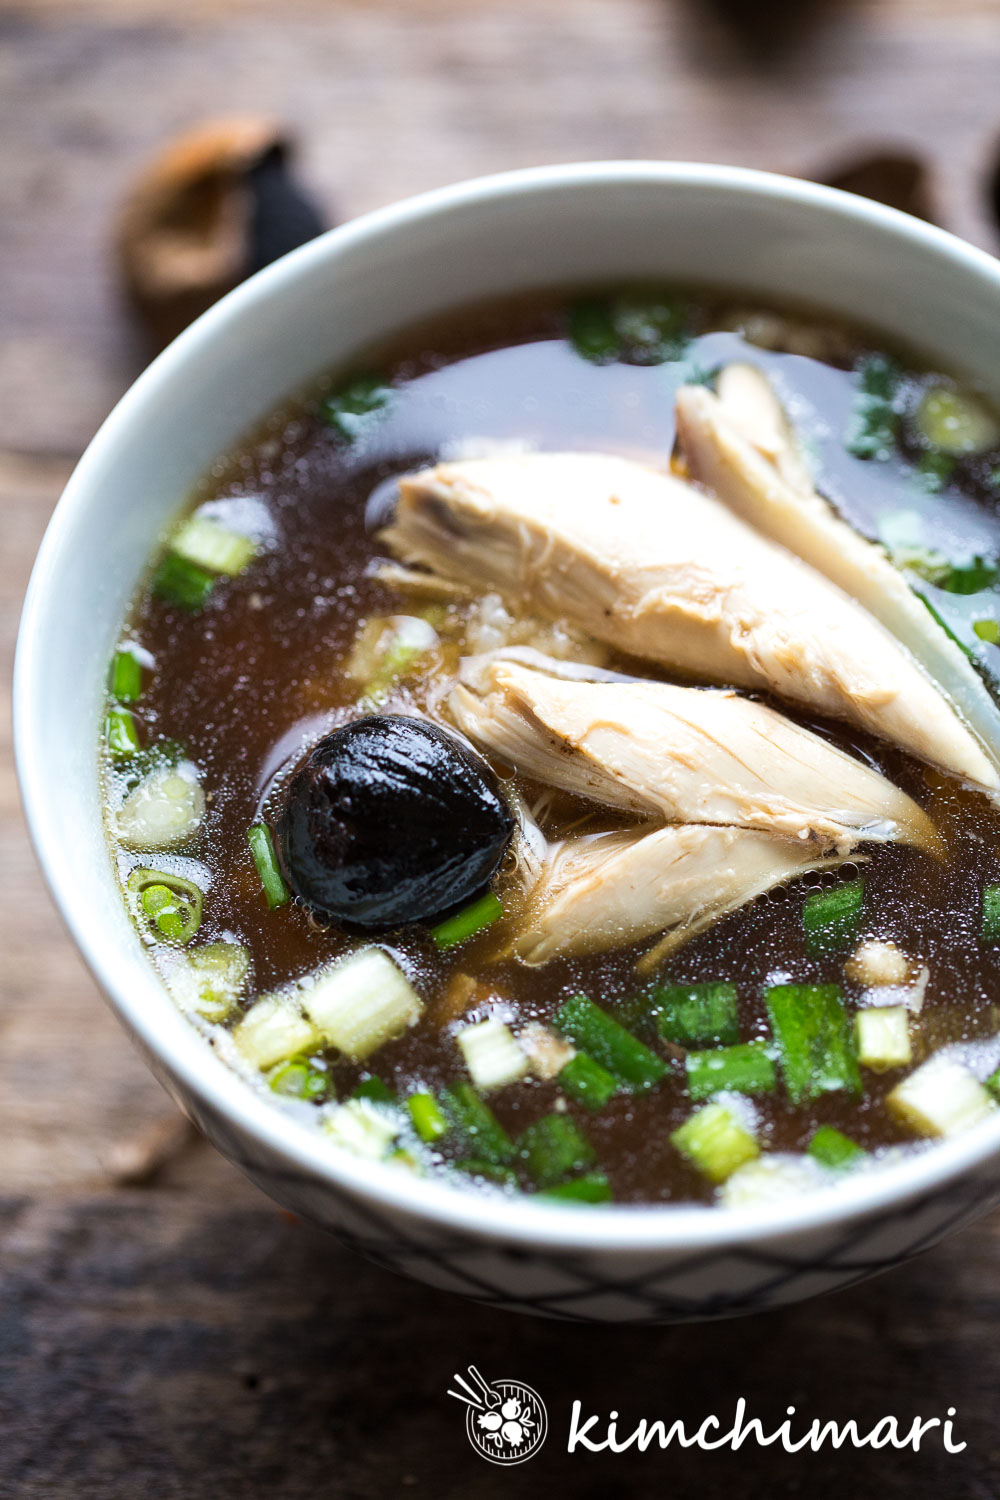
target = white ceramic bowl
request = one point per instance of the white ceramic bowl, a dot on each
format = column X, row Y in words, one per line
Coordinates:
column 744, row 231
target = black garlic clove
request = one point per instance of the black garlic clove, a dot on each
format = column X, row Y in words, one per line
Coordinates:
column 392, row 820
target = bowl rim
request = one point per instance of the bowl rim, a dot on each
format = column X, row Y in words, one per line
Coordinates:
column 184, row 1054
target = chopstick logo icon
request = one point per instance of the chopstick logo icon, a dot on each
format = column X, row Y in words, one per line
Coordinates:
column 505, row 1420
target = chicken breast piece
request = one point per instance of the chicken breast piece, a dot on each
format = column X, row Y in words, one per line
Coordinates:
column 760, row 480
column 660, row 569
column 685, row 755
column 611, row 889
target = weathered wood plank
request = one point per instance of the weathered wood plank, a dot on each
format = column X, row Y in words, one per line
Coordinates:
column 391, row 99
column 157, row 1346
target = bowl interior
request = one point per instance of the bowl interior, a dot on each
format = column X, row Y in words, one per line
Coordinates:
column 743, row 231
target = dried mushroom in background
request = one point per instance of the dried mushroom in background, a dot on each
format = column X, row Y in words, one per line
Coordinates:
column 895, row 178
column 216, row 205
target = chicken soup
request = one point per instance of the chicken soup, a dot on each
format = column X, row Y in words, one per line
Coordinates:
column 560, row 754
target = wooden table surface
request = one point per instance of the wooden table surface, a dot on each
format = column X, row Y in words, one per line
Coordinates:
column 183, row 1338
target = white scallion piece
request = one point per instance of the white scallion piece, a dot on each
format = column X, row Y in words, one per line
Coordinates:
column 492, row 1055
column 942, row 1097
column 211, row 546
column 273, row 1030
column 883, row 1035
column 361, row 1002
column 209, row 980
column 363, row 1128
column 770, row 1179
column 164, row 810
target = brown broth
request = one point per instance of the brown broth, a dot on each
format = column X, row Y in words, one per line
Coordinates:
column 244, row 684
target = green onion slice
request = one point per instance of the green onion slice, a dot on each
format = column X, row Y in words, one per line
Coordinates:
column 990, row 930
column 121, row 734
column 609, row 1044
column 473, row 918
column 261, row 842
column 489, row 1171
column 744, row 1069
column 592, row 1187
column 298, row 1079
column 207, row 545
column 815, row 1042
column 178, row 581
column 831, row 1148
column 698, row 1015
column 477, row 1123
column 715, row 1141
column 125, row 678
column 429, row 1119
column 169, row 905
column 553, row 1149
column 353, row 409
column 586, row 1082
column 832, row 918
column 373, row 1089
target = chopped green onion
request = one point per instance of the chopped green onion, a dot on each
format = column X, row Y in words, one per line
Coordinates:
column 489, row 1171
column 592, row 331
column 956, row 422
column 993, row 1084
column 814, row 1040
column 261, row 842
column 715, row 1141
column 744, row 1069
column 356, row 406
column 297, row 1080
column 125, row 679
column 477, row 1123
column 644, row 327
column 988, row 631
column 586, row 1082
column 698, row 1015
column 215, row 548
column 361, row 1002
column 592, row 1187
column 553, row 1149
column 990, row 930
column 429, row 1119
column 832, row 918
column 926, row 562
column 879, row 376
column 374, row 1090
column 933, row 471
column 651, row 326
column 120, row 733
column 875, row 416
column 611, row 1045
column 971, row 577
column 833, row 1149
column 168, row 904
column 473, row 918
column 882, row 1034
column 183, row 583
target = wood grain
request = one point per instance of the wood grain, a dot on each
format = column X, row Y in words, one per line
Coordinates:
column 186, row 1338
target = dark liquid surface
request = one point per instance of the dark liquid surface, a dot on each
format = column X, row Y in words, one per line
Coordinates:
column 256, row 675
